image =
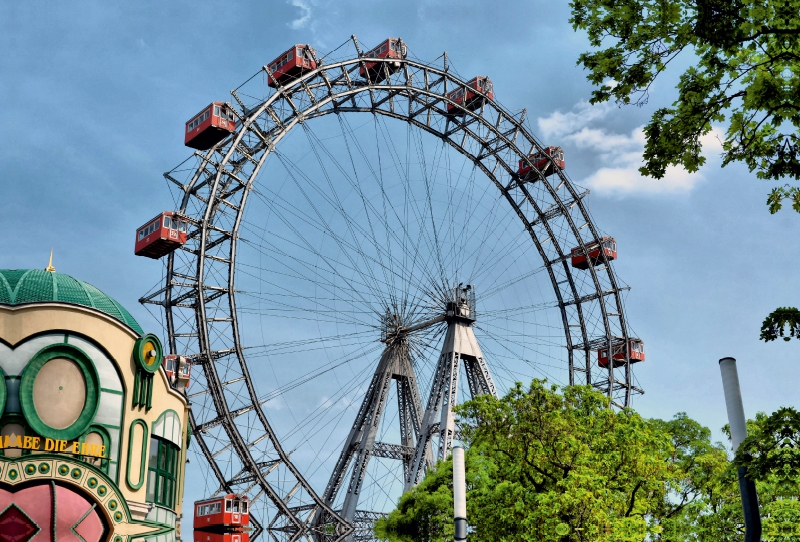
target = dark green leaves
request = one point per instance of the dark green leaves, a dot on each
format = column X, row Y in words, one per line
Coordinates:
column 746, row 71
column 774, row 324
column 559, row 465
column 772, row 450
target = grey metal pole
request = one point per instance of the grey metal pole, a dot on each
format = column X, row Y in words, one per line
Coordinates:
column 738, row 424
column 459, row 494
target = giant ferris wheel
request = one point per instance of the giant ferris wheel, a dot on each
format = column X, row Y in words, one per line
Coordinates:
column 371, row 240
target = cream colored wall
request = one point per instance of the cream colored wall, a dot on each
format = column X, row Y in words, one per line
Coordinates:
column 19, row 323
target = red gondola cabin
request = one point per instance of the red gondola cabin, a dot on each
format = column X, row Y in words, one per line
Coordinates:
column 208, row 536
column 210, row 126
column 391, row 48
column 472, row 96
column 635, row 350
column 178, row 371
column 541, row 161
column 161, row 235
column 228, row 512
column 291, row 64
column 580, row 260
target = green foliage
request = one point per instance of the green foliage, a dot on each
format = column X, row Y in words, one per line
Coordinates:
column 566, row 467
column 773, row 446
column 771, row 452
column 703, row 500
column 425, row 512
column 746, row 70
column 777, row 320
column 550, row 466
column 777, row 195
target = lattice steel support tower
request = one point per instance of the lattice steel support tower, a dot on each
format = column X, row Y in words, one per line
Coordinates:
column 361, row 445
column 460, row 346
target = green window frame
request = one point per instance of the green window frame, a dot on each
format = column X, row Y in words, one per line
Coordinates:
column 162, row 472
column 91, row 380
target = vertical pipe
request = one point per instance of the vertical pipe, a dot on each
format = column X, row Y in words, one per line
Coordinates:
column 459, row 494
column 733, row 401
column 738, row 424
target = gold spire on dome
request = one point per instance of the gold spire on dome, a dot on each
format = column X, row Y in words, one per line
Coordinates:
column 50, row 265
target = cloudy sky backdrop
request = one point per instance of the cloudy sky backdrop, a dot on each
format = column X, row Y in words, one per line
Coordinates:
column 95, row 96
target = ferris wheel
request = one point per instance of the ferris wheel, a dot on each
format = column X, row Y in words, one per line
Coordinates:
column 360, row 243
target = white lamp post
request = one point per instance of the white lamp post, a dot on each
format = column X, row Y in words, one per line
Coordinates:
column 736, row 419
column 459, row 494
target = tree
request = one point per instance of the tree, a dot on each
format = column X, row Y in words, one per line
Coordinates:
column 703, row 500
column 565, row 466
column 746, row 71
column 771, row 454
column 772, row 450
column 777, row 321
column 562, row 466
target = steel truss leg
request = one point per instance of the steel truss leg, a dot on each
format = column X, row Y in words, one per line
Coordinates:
column 360, row 446
column 460, row 345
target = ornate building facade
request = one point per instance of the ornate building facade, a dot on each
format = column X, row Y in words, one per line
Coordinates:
column 92, row 435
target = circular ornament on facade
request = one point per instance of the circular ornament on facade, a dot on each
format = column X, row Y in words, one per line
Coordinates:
column 92, row 482
column 76, row 473
column 102, row 490
column 148, row 353
column 63, row 470
column 30, row 468
column 118, row 516
column 59, row 391
column 112, row 504
column 44, row 468
column 13, row 474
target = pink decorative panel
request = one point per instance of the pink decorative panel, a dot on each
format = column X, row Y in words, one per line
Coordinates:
column 35, row 513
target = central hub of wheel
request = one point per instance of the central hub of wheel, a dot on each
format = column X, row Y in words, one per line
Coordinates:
column 461, row 307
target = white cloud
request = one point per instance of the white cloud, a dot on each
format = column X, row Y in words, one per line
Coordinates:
column 305, row 14
column 560, row 124
column 621, row 153
column 626, row 180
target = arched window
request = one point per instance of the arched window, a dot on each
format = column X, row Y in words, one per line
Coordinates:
column 164, row 461
column 97, row 438
column 162, row 472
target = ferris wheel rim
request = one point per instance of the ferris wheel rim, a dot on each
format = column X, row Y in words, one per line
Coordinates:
column 310, row 113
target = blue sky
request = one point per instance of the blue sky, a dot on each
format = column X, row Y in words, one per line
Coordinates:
column 96, row 95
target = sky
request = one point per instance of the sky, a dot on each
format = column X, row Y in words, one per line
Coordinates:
column 96, row 96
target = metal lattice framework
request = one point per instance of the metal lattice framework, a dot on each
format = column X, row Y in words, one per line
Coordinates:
column 199, row 293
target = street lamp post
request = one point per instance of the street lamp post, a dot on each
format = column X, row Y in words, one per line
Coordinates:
column 459, row 494
column 736, row 420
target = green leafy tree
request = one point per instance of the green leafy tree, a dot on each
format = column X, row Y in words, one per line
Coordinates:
column 772, row 450
column 565, row 465
column 703, row 499
column 426, row 512
column 746, row 71
column 775, row 324
column 770, row 454
column 544, row 465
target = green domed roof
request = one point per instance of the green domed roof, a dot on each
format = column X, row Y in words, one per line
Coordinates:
column 19, row 286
